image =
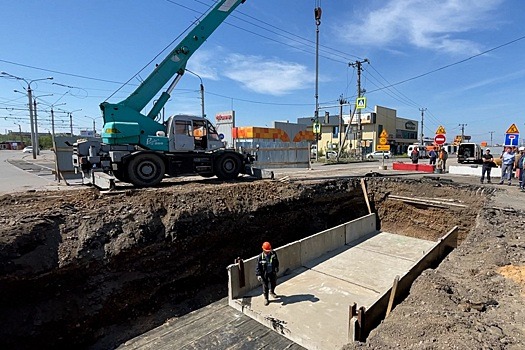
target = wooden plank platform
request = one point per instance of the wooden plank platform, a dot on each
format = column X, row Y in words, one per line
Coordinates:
column 216, row 326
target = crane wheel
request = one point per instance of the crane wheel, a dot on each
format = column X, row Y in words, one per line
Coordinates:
column 227, row 167
column 146, row 170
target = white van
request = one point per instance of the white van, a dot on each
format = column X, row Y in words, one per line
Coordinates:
column 422, row 151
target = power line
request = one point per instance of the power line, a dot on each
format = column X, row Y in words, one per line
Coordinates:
column 452, row 64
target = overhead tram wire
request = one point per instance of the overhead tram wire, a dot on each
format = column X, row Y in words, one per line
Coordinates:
column 309, row 43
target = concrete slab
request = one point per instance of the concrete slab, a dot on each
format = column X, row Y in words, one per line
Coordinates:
column 312, row 307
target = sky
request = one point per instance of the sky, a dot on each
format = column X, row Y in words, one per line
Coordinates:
column 461, row 61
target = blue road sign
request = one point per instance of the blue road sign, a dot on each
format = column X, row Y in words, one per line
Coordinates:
column 512, row 139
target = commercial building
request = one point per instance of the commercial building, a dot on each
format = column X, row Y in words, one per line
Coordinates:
column 402, row 132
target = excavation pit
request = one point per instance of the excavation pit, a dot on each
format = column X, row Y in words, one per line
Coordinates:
column 85, row 269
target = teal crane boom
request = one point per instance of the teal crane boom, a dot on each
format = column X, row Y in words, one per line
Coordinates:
column 123, row 121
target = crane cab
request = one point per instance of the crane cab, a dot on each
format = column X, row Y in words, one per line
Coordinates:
column 192, row 134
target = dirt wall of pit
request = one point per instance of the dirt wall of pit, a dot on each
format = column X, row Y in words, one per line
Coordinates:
column 72, row 266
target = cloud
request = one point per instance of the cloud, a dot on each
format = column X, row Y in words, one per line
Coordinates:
column 267, row 76
column 200, row 64
column 430, row 24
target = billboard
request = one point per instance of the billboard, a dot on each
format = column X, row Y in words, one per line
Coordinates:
column 225, row 122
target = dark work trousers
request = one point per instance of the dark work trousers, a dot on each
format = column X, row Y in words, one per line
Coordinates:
column 269, row 279
column 485, row 170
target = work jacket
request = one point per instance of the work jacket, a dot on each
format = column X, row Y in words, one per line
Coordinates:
column 267, row 265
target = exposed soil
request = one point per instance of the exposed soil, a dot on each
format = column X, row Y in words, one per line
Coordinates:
column 86, row 270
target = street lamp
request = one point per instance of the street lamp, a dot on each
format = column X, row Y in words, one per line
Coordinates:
column 71, row 120
column 30, row 98
column 37, row 141
column 202, row 91
column 94, row 125
column 53, row 123
column 20, row 133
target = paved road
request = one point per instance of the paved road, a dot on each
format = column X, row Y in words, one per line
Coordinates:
column 19, row 172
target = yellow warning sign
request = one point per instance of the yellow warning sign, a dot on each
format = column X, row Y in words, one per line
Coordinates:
column 383, row 148
column 440, row 130
column 383, row 134
column 513, row 129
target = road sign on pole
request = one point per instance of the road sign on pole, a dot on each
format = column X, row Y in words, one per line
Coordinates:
column 440, row 139
column 512, row 140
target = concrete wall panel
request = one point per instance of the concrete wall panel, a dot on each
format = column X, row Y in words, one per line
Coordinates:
column 358, row 228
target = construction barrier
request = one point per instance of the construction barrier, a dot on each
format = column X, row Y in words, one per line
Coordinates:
column 427, row 168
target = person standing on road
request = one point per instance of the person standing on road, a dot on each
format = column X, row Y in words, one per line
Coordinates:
column 488, row 161
column 433, row 156
column 266, row 271
column 507, row 166
column 442, row 163
column 518, row 165
column 415, row 155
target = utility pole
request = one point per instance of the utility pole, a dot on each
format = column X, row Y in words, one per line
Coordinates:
column 342, row 101
column 37, row 141
column 53, row 127
column 462, row 131
column 317, row 14
column 491, row 133
column 30, row 97
column 422, row 120
column 358, row 65
column 71, row 123
column 20, row 133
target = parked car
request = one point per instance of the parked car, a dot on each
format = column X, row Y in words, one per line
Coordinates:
column 331, row 154
column 28, row 149
column 379, row 155
column 313, row 152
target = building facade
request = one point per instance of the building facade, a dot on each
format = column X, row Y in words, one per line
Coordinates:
column 402, row 132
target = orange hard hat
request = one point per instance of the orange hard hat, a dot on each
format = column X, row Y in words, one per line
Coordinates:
column 267, row 246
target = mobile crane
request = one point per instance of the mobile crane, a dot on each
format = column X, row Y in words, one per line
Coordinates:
column 137, row 149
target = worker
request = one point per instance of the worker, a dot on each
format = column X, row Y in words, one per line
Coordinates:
column 433, row 156
column 488, row 163
column 518, row 165
column 266, row 271
column 442, row 162
column 415, row 155
column 507, row 165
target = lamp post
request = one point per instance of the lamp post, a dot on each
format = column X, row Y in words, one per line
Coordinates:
column 71, row 119
column 37, row 141
column 30, row 98
column 317, row 14
column 202, row 91
column 20, row 133
column 53, row 123
column 94, row 125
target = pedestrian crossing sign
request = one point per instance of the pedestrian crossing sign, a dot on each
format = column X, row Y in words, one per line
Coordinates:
column 360, row 103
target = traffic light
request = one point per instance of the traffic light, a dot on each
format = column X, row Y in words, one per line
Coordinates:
column 327, row 117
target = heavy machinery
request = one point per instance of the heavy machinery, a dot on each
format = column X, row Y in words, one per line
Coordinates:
column 138, row 149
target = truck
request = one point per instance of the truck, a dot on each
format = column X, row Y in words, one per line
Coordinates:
column 469, row 152
column 139, row 149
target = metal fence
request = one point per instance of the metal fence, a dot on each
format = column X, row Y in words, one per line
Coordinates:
column 278, row 154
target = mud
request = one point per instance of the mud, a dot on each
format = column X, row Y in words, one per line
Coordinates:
column 86, row 270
